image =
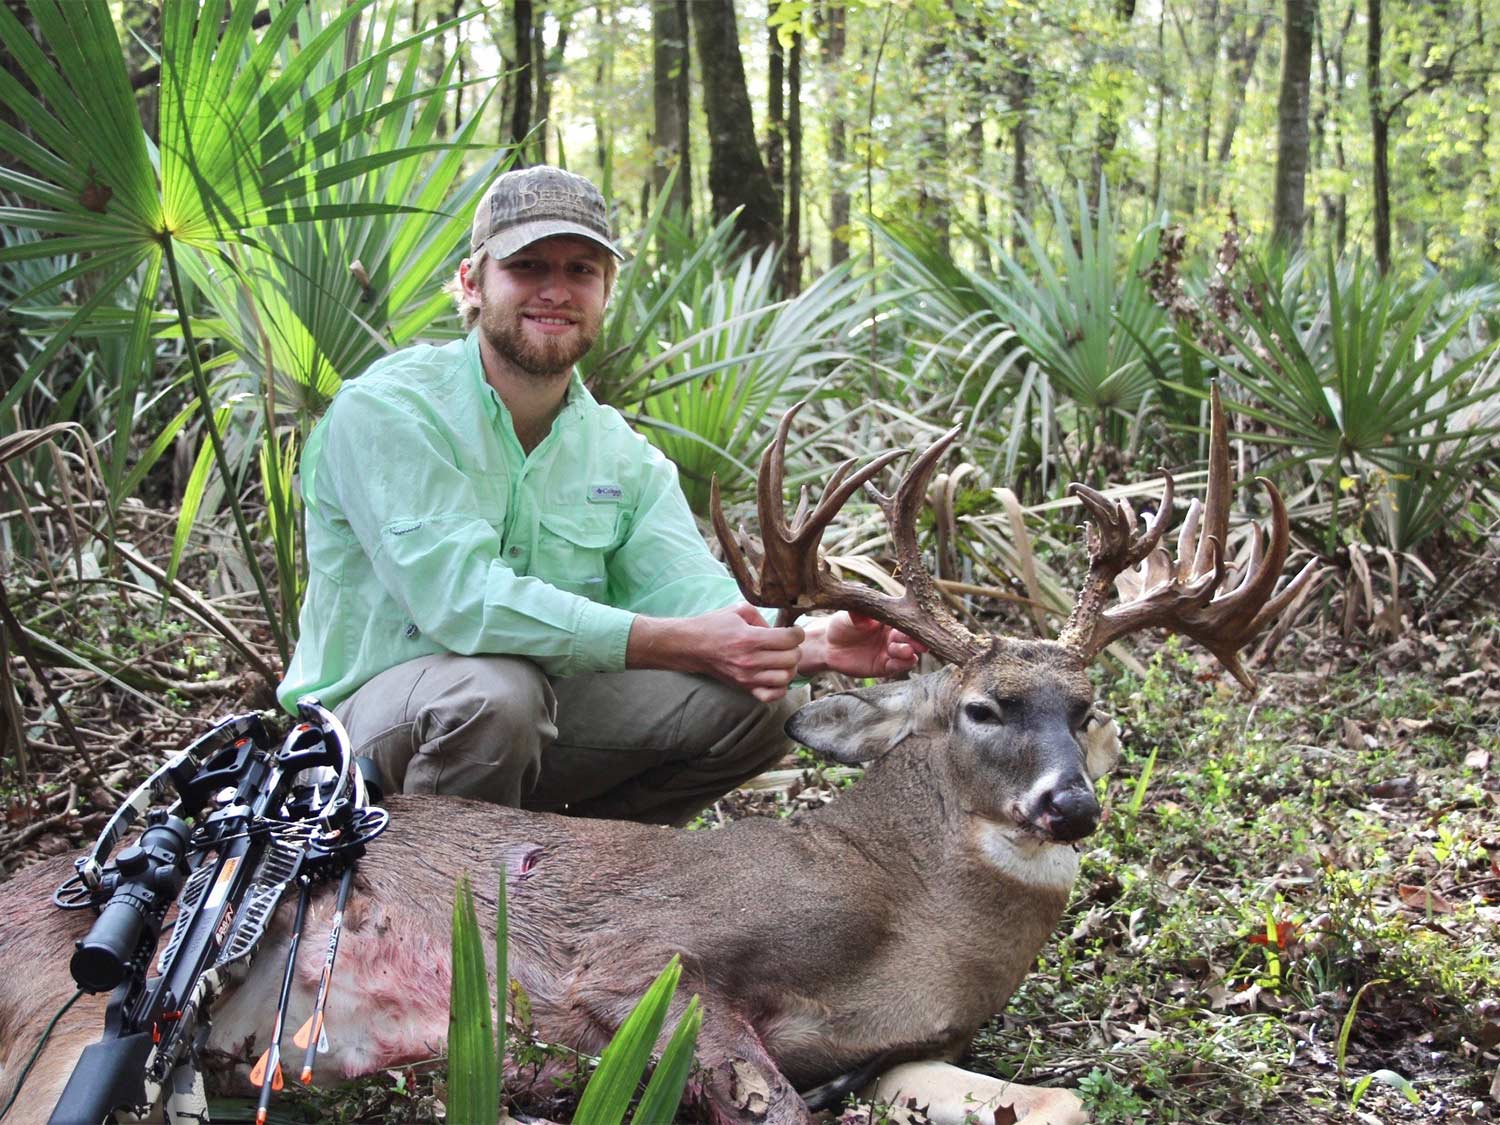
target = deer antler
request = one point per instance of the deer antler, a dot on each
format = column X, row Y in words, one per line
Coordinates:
column 793, row 579
column 1222, row 608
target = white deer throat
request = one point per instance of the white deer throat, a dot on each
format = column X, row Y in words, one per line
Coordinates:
column 1016, row 855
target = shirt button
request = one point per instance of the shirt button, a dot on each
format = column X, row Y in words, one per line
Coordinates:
column 411, row 630
column 515, row 552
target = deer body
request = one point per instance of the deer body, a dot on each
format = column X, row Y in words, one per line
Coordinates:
column 886, row 926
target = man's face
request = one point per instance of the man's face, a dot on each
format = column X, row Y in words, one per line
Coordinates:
column 541, row 308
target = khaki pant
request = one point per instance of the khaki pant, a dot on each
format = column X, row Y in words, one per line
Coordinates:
column 637, row 745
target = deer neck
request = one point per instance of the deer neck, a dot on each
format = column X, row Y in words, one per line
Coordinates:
column 904, row 816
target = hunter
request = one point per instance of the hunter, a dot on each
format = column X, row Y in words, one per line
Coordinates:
column 508, row 597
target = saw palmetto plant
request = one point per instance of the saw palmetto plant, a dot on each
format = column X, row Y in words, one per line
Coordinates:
column 255, row 133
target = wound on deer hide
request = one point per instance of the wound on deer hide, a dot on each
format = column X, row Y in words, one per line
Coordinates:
column 520, row 859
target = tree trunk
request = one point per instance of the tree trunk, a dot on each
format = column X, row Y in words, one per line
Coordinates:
column 438, row 62
column 604, row 131
column 685, row 120
column 1340, row 154
column 834, row 38
column 1020, row 184
column 1242, row 56
column 933, row 206
column 1292, row 121
column 775, row 105
column 1485, row 187
column 792, row 258
column 525, row 76
column 736, row 175
column 462, row 69
column 1108, row 133
column 549, row 63
column 1199, row 194
column 668, row 66
column 1328, row 123
column 1380, row 140
column 1158, row 131
column 977, row 152
column 979, row 95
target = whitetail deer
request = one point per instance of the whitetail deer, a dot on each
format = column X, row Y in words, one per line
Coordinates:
column 882, row 929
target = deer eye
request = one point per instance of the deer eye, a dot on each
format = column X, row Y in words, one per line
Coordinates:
column 985, row 714
column 1078, row 716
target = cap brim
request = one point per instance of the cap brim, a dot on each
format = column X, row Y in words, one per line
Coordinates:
column 522, row 235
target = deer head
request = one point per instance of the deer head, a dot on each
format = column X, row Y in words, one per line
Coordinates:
column 1015, row 716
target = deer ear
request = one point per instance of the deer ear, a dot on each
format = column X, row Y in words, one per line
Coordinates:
column 1101, row 744
column 860, row 726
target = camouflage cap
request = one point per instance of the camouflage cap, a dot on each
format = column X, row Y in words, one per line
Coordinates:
column 525, row 205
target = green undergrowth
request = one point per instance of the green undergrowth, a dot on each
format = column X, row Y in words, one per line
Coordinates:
column 1265, row 865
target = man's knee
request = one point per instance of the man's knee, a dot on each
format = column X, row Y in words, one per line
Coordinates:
column 740, row 729
column 495, row 700
column 472, row 726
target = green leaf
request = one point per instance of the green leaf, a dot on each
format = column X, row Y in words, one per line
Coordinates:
column 624, row 1061
column 1395, row 1081
column 474, row 1076
column 192, row 495
column 502, row 975
column 664, row 1091
column 1347, row 1028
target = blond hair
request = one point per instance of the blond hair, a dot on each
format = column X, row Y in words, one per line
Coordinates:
column 468, row 311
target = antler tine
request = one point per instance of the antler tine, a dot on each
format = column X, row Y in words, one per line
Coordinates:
column 840, row 471
column 1309, row 576
column 921, row 612
column 1216, row 497
column 838, row 490
column 734, row 553
column 801, row 513
column 1187, row 538
column 807, row 531
column 1231, row 620
column 769, row 483
column 793, row 579
column 902, row 506
column 1114, row 547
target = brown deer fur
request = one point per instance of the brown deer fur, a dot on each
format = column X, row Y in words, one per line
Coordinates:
column 885, row 927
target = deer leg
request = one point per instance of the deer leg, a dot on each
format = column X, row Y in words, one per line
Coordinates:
column 739, row 1081
column 952, row 1096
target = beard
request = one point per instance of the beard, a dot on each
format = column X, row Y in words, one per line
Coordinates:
column 539, row 356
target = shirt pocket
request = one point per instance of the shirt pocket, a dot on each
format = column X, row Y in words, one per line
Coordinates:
column 573, row 549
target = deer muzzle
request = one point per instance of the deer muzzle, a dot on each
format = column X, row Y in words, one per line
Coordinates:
column 1067, row 813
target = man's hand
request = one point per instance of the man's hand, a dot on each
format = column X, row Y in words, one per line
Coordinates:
column 734, row 645
column 856, row 646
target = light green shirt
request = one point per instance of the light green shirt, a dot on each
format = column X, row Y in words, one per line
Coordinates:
column 430, row 530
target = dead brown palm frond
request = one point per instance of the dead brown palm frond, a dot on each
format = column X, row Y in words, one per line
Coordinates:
column 15, row 639
column 53, row 474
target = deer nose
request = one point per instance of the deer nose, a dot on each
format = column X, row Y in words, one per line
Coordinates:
column 1069, row 814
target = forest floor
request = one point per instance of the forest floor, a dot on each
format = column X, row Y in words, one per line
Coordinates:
column 1291, row 912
